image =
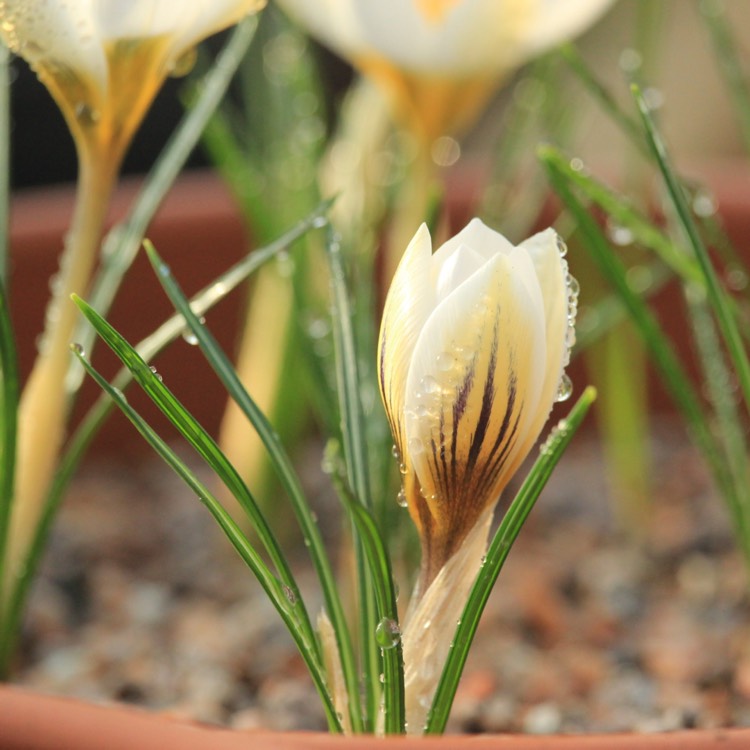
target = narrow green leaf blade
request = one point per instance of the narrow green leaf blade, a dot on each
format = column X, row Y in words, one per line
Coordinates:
column 717, row 295
column 203, row 444
column 353, row 436
column 673, row 373
column 276, row 591
column 379, row 566
column 288, row 477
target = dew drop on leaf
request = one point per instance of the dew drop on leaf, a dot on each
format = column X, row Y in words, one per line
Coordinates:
column 387, row 633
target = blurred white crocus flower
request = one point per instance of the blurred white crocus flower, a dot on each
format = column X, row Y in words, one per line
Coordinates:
column 439, row 60
column 103, row 61
column 473, row 345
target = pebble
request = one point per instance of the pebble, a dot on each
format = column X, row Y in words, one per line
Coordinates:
column 543, row 718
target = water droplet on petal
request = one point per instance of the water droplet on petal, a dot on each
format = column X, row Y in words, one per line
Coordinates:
column 565, row 388
column 184, row 63
column 430, row 385
column 401, row 498
column 445, row 361
column 86, row 114
column 574, row 288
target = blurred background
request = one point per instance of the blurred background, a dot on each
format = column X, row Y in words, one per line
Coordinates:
column 697, row 115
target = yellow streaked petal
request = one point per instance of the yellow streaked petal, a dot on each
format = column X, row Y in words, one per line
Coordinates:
column 408, row 304
column 476, row 370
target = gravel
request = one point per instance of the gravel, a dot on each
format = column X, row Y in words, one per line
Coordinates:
column 592, row 627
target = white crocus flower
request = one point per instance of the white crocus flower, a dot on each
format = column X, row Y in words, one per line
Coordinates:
column 473, row 345
column 440, row 59
column 104, row 60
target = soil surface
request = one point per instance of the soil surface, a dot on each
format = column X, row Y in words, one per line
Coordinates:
column 590, row 628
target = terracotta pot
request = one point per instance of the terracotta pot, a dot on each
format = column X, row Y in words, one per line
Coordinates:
column 29, row 721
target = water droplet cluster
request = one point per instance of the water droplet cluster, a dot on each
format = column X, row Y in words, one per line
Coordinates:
column 560, row 430
column 565, row 386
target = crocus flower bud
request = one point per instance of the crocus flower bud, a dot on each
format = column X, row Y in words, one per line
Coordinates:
column 473, row 344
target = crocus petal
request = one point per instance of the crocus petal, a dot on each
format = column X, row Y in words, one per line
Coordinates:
column 185, row 24
column 60, row 35
column 555, row 21
column 476, row 368
column 460, row 265
column 559, row 311
column 479, row 237
column 409, row 303
column 469, row 37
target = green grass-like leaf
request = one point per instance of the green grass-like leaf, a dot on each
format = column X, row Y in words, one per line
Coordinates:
column 277, row 591
column 620, row 210
column 379, row 567
column 550, row 453
column 673, row 373
column 205, row 446
column 353, row 438
column 282, row 464
column 717, row 296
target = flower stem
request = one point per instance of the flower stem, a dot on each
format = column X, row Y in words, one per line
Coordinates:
column 44, row 404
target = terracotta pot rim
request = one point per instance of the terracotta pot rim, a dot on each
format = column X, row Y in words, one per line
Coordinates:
column 33, row 721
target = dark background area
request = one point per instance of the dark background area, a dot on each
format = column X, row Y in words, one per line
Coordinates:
column 42, row 150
